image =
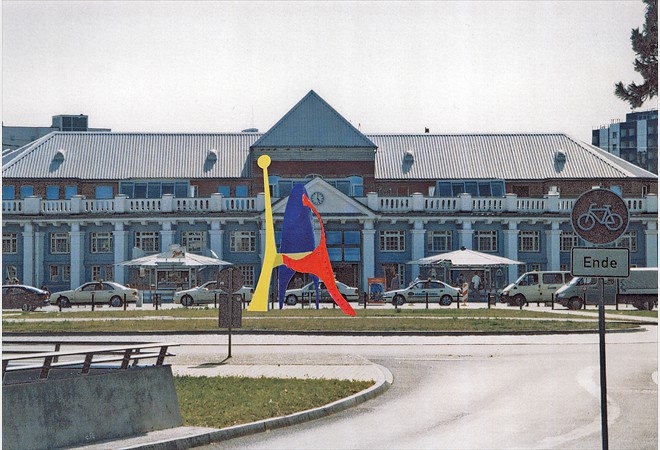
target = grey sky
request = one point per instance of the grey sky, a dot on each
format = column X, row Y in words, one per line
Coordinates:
column 454, row 67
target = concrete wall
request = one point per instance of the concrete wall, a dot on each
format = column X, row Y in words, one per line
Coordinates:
column 88, row 409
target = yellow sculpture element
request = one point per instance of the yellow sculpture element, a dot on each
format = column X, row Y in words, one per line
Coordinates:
column 271, row 258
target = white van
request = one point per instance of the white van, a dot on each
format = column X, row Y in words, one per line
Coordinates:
column 534, row 287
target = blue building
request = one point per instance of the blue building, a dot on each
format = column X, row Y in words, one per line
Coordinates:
column 76, row 204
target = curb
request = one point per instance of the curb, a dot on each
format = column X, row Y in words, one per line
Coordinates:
column 209, row 435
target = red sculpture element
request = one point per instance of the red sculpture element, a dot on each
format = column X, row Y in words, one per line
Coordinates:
column 318, row 263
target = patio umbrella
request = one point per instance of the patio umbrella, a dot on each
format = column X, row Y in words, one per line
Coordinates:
column 465, row 258
column 170, row 258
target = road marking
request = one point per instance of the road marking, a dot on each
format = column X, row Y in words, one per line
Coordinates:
column 589, row 379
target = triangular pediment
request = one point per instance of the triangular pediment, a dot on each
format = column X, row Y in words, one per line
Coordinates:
column 313, row 123
column 329, row 201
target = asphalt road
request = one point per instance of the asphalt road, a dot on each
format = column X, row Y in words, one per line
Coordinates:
column 485, row 392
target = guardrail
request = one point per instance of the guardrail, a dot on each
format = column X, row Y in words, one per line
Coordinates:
column 22, row 360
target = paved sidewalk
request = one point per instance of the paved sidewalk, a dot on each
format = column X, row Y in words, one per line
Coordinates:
column 329, row 366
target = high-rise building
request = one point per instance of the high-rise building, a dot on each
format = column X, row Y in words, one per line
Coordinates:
column 14, row 137
column 635, row 140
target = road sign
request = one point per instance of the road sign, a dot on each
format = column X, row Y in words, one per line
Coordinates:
column 600, row 216
column 600, row 262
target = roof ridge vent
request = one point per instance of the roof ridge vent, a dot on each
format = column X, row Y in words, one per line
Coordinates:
column 409, row 157
column 560, row 156
column 59, row 155
column 212, row 155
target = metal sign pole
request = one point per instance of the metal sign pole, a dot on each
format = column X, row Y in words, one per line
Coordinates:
column 229, row 328
column 603, row 375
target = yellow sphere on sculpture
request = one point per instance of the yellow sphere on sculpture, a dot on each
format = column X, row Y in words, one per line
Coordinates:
column 263, row 161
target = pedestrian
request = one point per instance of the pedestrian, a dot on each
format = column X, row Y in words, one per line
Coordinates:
column 461, row 280
column 417, row 278
column 476, row 281
column 394, row 283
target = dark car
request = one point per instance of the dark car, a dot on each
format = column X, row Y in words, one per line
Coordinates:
column 27, row 298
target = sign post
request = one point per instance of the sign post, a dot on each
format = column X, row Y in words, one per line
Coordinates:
column 600, row 217
column 230, row 314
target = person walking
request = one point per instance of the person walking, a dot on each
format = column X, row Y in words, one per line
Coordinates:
column 394, row 283
column 476, row 281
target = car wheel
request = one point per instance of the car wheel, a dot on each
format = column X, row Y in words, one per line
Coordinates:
column 446, row 300
column 116, row 301
column 575, row 303
column 187, row 300
column 26, row 307
column 64, row 302
column 291, row 300
column 398, row 300
column 519, row 300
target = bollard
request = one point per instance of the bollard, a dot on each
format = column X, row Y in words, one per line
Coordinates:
column 427, row 301
column 488, row 299
column 272, row 301
column 552, row 298
column 215, row 300
column 521, row 305
column 458, row 300
column 244, row 302
column 365, row 297
column 584, row 301
column 124, row 302
column 92, row 301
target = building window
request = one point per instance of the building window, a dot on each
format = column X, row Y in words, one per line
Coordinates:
column 52, row 192
column 564, row 267
column 8, row 193
column 248, row 274
column 66, row 272
column 224, row 190
column 628, row 240
column 439, row 241
column 476, row 188
column 241, row 191
column 54, row 273
column 11, row 272
column 59, row 243
column 147, row 241
column 392, row 241
column 154, row 189
column 9, row 243
column 103, row 192
column 26, row 191
column 528, row 241
column 343, row 245
column 485, row 241
column 568, row 240
column 534, row 267
column 193, row 241
column 96, row 273
column 101, row 242
column 242, row 241
column 70, row 191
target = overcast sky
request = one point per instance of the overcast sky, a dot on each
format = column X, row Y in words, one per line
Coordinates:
column 396, row 67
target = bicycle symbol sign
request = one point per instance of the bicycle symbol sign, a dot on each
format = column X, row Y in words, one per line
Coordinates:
column 600, row 216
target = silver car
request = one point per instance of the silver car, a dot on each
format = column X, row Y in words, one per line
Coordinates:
column 437, row 292
column 293, row 296
column 100, row 291
column 206, row 293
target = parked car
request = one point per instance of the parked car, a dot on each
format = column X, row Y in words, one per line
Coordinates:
column 438, row 292
column 293, row 296
column 103, row 291
column 534, row 287
column 28, row 298
column 206, row 293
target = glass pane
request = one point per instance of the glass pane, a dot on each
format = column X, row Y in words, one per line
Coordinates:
column 26, row 191
column 457, row 188
column 352, row 237
column 443, row 189
column 351, row 254
column 126, row 189
column 285, row 188
column 334, row 253
column 103, row 192
column 8, row 193
column 358, row 191
column 70, row 191
column 333, row 237
column 484, row 189
column 224, row 190
column 52, row 192
column 168, row 188
column 153, row 190
column 497, row 188
column 181, row 190
column 344, row 187
column 471, row 188
column 241, row 191
column 140, row 190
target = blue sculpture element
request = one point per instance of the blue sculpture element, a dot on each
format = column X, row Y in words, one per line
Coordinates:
column 297, row 237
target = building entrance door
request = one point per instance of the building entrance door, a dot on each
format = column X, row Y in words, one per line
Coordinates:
column 348, row 274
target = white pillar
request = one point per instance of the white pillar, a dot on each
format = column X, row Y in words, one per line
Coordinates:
column 28, row 255
column 465, row 235
column 120, row 244
column 552, row 246
column 166, row 236
column 39, row 258
column 511, row 249
column 216, row 236
column 368, row 253
column 418, row 234
column 77, row 255
column 651, row 237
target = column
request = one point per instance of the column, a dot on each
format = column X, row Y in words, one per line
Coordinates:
column 511, row 249
column 166, row 236
column 216, row 237
column 417, row 250
column 651, row 238
column 465, row 235
column 368, row 253
column 552, row 246
column 120, row 248
column 77, row 255
column 39, row 258
column 28, row 255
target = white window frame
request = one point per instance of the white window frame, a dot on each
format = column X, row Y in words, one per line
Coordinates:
column 9, row 243
column 12, row 272
column 439, row 236
column 529, row 241
column 248, row 274
column 147, row 241
column 483, row 237
column 101, row 242
column 54, row 273
column 241, row 241
column 66, row 272
column 392, row 240
column 628, row 240
column 96, row 273
column 193, row 241
column 60, row 243
column 568, row 240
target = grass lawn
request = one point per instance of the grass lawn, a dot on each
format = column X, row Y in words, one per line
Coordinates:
column 220, row 402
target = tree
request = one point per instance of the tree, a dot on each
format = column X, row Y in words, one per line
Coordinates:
column 645, row 45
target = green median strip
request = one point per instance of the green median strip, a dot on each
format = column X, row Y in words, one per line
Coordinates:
column 220, row 402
